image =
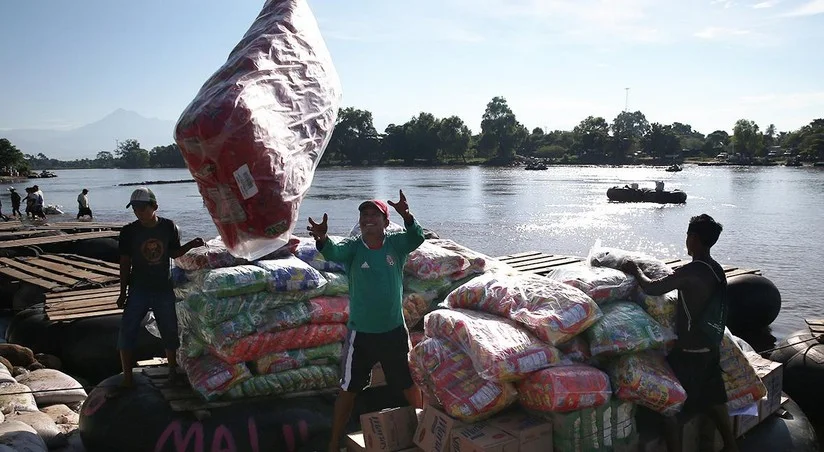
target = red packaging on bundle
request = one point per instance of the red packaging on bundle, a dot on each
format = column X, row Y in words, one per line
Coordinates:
column 255, row 132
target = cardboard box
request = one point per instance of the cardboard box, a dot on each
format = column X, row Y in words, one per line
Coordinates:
column 377, row 377
column 389, row 430
column 355, row 443
column 743, row 424
column 482, row 437
column 533, row 433
column 434, row 432
column 772, row 375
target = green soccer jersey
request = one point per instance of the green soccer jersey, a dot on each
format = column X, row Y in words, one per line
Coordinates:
column 375, row 277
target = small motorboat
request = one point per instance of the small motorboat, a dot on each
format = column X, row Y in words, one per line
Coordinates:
column 47, row 174
column 632, row 193
column 674, row 168
column 53, row 209
column 535, row 166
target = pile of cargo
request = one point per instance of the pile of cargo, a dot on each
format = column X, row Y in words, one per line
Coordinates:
column 572, row 354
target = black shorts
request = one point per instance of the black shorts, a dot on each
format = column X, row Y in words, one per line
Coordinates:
column 84, row 211
column 700, row 375
column 361, row 351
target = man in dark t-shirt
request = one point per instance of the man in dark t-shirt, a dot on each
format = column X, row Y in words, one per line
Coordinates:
column 146, row 247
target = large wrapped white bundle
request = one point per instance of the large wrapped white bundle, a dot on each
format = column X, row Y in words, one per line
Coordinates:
column 553, row 311
column 213, row 255
column 255, row 132
column 645, row 378
column 308, row 252
column 443, row 370
column 625, row 328
column 602, row 284
column 228, row 281
column 51, row 386
column 430, row 261
column 291, row 274
column 499, row 349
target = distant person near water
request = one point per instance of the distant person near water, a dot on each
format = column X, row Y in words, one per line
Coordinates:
column 83, row 208
column 147, row 246
column 37, row 210
column 15, row 202
column 699, row 324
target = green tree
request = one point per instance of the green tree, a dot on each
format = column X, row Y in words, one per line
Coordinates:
column 11, row 158
column 394, row 142
column 769, row 136
column 747, row 139
column 131, row 155
column 166, row 157
column 811, row 139
column 501, row 133
column 628, row 128
column 354, row 139
column 591, row 139
column 424, row 142
column 661, row 141
column 715, row 143
column 455, row 137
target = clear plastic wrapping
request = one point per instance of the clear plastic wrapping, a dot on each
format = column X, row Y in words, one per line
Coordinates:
column 295, row 359
column 740, row 380
column 307, row 251
column 256, row 345
column 602, row 284
column 329, row 309
column 442, row 369
column 499, row 349
column 290, row 274
column 229, row 281
column 645, row 378
column 310, row 378
column 625, row 328
column 255, row 132
column 212, row 377
column 336, row 283
column 553, row 311
column 564, row 388
column 576, row 349
column 416, row 305
column 213, row 255
column 430, row 261
column 198, row 309
column 477, row 261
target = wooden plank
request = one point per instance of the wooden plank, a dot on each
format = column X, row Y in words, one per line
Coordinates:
column 84, row 315
column 71, row 271
column 101, row 267
column 101, row 305
column 83, row 301
column 25, row 277
column 549, row 265
column 78, row 225
column 517, row 255
column 40, row 273
column 78, row 294
column 538, row 260
column 522, row 259
column 743, row 271
column 57, row 239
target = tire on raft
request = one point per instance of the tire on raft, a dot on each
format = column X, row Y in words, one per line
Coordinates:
column 753, row 303
column 790, row 431
column 86, row 347
column 803, row 360
column 141, row 419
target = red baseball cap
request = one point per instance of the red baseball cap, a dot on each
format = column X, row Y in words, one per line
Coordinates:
column 378, row 204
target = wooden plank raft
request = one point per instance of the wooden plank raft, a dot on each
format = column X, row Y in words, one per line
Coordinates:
column 79, row 226
column 36, row 241
column 542, row 263
column 82, row 304
column 60, row 272
column 182, row 397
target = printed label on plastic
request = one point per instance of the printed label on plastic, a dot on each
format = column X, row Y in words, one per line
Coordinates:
column 245, row 182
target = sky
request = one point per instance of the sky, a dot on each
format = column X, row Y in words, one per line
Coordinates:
column 707, row 63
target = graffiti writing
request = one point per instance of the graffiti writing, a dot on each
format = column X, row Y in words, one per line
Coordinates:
column 195, row 438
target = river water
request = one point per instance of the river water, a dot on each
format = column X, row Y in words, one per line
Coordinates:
column 772, row 216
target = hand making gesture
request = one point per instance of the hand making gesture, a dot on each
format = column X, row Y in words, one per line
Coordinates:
column 318, row 230
column 402, row 207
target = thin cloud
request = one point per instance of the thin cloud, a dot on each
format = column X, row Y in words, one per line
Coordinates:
column 810, row 8
column 720, row 33
column 766, row 4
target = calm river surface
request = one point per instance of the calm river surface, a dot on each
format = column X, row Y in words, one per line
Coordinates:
column 772, row 216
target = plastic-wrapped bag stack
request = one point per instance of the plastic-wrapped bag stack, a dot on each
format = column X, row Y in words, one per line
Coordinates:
column 626, row 328
column 445, row 373
column 255, row 132
column 553, row 311
column 602, row 284
column 608, row 427
column 740, row 380
column 271, row 313
column 564, row 388
column 659, row 307
column 645, row 378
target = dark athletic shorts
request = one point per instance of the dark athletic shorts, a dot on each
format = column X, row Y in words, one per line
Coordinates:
column 700, row 375
column 84, row 211
column 361, row 351
column 138, row 304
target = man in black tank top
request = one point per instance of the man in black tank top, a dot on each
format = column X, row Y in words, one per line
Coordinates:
column 699, row 325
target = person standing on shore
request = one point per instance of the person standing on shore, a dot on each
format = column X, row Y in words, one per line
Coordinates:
column 699, row 323
column 30, row 199
column 15, row 202
column 39, row 201
column 377, row 333
column 147, row 247
column 83, row 205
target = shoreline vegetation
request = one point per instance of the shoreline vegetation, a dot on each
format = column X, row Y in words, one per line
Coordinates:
column 424, row 140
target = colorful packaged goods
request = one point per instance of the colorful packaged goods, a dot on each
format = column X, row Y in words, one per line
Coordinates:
column 564, row 388
column 310, row 378
column 498, row 348
column 308, row 252
column 213, row 255
column 255, row 132
column 553, row 311
column 645, row 378
column 606, row 428
column 212, row 377
column 231, row 281
column 602, row 284
column 336, row 284
column 430, row 261
column 614, row 258
column 445, row 372
column 662, row 308
column 291, row 274
column 329, row 309
column 625, row 328
column 256, row 345
column 740, row 380
column 576, row 349
column 295, row 359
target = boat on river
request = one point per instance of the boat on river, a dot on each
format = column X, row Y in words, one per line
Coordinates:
column 632, row 193
column 535, row 166
column 674, row 168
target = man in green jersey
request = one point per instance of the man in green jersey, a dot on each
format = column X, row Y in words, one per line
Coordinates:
column 377, row 333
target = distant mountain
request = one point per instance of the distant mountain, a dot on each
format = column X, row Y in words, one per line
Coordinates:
column 86, row 141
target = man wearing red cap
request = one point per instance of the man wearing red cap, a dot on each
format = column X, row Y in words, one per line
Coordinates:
column 377, row 333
